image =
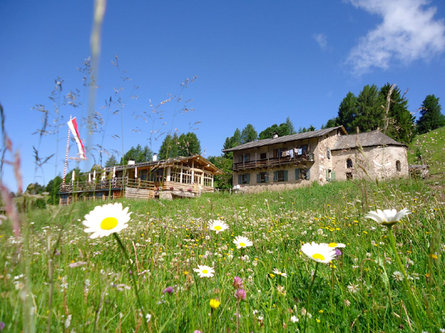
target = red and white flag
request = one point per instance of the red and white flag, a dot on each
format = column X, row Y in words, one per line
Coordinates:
column 72, row 124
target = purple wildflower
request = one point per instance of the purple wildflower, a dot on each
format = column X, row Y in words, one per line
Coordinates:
column 237, row 282
column 240, row 294
column 168, row 290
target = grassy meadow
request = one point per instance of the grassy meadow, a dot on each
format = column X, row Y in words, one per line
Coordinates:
column 55, row 278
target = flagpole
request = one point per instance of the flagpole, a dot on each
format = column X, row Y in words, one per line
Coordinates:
column 66, row 154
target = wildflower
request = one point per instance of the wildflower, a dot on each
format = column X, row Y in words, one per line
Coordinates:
column 214, row 303
column 204, row 271
column 106, row 219
column 237, row 282
column 277, row 272
column 241, row 241
column 319, row 252
column 148, row 317
column 336, row 245
column 218, row 226
column 352, row 288
column 68, row 321
column 2, row 325
column 240, row 294
column 387, row 217
column 397, row 276
column 294, row 319
column 168, row 290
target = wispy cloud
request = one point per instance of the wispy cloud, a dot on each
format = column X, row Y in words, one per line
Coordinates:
column 321, row 40
column 408, row 32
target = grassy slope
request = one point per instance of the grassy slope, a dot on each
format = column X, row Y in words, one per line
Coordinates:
column 172, row 238
column 431, row 146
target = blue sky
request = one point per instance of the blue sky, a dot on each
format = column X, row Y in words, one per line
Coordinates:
column 255, row 62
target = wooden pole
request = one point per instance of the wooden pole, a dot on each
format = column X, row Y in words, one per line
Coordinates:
column 66, row 154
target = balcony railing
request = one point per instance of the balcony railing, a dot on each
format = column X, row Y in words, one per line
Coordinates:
column 107, row 184
column 273, row 162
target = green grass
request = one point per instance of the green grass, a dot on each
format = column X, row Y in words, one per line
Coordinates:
column 357, row 292
column 431, row 147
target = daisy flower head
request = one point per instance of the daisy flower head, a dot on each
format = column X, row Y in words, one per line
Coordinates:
column 106, row 219
column 204, row 271
column 218, row 226
column 387, row 217
column 278, row 272
column 241, row 241
column 319, row 252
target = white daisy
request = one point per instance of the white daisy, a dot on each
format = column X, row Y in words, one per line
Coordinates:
column 277, row 272
column 218, row 226
column 336, row 245
column 319, row 252
column 204, row 271
column 387, row 217
column 241, row 241
column 106, row 219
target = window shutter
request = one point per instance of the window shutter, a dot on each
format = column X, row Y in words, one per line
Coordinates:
column 267, row 177
column 333, row 175
column 248, row 178
column 285, row 175
column 275, row 176
column 308, row 174
column 297, row 174
column 239, row 179
column 327, row 174
column 258, row 178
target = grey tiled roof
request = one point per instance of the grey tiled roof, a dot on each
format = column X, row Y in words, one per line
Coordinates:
column 366, row 139
column 286, row 138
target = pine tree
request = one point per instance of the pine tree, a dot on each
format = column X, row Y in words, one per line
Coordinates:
column 347, row 113
column 248, row 134
column 369, row 109
column 189, row 145
column 431, row 116
column 111, row 161
column 400, row 122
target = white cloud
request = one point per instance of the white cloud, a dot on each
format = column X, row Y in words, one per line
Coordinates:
column 408, row 32
column 321, row 40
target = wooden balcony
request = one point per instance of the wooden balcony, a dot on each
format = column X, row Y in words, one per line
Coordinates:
column 274, row 162
column 107, row 184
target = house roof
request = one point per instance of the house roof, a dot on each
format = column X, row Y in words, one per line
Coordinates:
column 366, row 139
column 286, row 138
column 168, row 162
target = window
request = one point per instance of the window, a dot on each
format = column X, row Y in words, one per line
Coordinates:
column 349, row 175
column 301, row 174
column 244, row 178
column 208, row 179
column 175, row 175
column 262, row 177
column 186, row 176
column 328, row 175
column 398, row 166
column 349, row 163
column 280, row 176
column 328, row 154
column 246, row 157
column 263, row 156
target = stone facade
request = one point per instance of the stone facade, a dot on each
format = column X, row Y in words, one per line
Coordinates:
column 322, row 156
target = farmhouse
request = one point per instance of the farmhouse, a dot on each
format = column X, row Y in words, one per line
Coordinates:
column 175, row 177
column 323, row 155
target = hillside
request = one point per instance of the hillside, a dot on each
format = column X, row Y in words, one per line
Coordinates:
column 430, row 147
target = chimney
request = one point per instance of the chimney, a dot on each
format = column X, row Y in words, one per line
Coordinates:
column 131, row 162
column 275, row 135
column 155, row 157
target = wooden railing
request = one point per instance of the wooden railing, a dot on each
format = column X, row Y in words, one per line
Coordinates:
column 273, row 162
column 107, row 184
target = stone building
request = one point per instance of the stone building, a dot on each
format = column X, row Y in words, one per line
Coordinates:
column 323, row 155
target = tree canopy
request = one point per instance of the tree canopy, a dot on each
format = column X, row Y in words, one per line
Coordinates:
column 283, row 129
column 137, row 154
column 431, row 116
column 185, row 145
column 248, row 134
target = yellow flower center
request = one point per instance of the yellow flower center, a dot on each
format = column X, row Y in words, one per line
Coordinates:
column 332, row 244
column 218, row 227
column 108, row 223
column 205, row 271
column 318, row 256
column 242, row 244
